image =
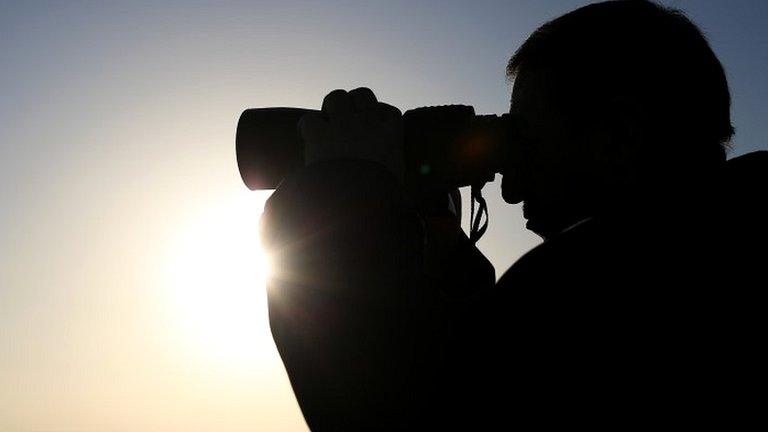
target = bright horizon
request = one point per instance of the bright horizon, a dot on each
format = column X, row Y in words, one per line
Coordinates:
column 131, row 282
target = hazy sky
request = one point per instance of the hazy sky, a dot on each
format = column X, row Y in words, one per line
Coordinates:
column 130, row 293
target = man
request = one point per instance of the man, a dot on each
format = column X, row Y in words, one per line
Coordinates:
column 643, row 306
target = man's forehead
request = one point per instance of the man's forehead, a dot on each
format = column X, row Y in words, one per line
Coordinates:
column 529, row 89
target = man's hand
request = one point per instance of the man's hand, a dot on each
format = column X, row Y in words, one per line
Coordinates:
column 354, row 125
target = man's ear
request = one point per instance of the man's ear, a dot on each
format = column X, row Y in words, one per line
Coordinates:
column 617, row 140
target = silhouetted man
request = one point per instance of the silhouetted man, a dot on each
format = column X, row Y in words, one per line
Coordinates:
column 643, row 306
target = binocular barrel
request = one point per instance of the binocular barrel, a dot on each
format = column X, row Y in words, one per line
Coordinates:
column 446, row 147
column 268, row 145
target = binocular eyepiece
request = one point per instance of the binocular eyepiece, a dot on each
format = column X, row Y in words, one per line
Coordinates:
column 445, row 147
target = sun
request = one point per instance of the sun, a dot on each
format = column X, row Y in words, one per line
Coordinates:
column 217, row 282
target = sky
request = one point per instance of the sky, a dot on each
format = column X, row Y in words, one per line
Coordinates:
column 131, row 278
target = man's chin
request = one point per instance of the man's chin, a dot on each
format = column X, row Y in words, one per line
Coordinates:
column 537, row 229
column 541, row 226
column 547, row 227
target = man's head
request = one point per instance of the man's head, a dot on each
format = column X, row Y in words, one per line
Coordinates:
column 611, row 99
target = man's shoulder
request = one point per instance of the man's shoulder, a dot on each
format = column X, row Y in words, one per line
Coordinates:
column 590, row 249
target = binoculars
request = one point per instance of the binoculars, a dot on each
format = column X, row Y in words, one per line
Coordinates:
column 445, row 147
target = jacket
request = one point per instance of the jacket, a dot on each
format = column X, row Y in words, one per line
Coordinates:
column 387, row 319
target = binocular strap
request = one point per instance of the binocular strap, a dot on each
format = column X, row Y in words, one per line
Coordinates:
column 477, row 223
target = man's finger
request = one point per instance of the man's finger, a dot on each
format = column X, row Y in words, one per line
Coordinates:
column 314, row 130
column 363, row 99
column 388, row 112
column 313, row 127
column 337, row 104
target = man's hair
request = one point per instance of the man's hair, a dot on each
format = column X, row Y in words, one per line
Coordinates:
column 606, row 58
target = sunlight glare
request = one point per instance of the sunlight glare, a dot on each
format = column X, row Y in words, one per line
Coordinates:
column 218, row 274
